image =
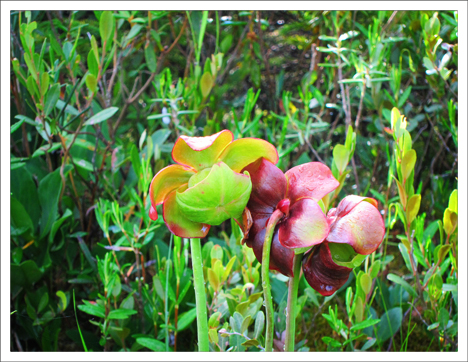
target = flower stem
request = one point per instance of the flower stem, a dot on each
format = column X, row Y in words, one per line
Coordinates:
column 275, row 217
column 292, row 301
column 200, row 297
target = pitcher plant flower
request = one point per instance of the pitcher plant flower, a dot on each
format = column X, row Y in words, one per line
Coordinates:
column 296, row 194
column 356, row 230
column 206, row 186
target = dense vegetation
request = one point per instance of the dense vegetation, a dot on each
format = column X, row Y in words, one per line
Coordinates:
column 97, row 102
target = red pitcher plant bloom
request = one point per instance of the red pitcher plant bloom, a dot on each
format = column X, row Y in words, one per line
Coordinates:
column 356, row 230
column 297, row 194
column 342, row 239
column 206, row 186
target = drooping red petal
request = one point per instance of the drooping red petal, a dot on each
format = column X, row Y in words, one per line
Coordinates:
column 178, row 224
column 281, row 258
column 313, row 180
column 322, row 273
column 268, row 186
column 167, row 180
column 244, row 151
column 306, row 225
column 153, row 214
column 362, row 226
column 201, row 152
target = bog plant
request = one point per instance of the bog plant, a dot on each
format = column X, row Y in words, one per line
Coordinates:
column 303, row 165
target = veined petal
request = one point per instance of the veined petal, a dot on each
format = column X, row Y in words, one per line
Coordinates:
column 281, row 258
column 362, row 227
column 306, row 225
column 201, row 152
column 244, row 151
column 268, row 186
column 322, row 273
column 167, row 180
column 178, row 224
column 221, row 195
column 313, row 180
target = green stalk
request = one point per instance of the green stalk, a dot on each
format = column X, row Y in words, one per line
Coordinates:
column 292, row 302
column 200, row 298
column 277, row 215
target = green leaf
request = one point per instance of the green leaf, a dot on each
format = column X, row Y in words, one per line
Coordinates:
column 448, row 225
column 95, row 49
column 32, row 86
column 412, row 208
column 91, row 82
column 150, row 57
column 106, row 25
column 20, row 221
column 31, row 66
column 44, row 83
column 407, row 164
column 221, row 195
column 396, row 279
column 453, row 201
column 134, row 31
column 49, row 192
column 186, row 319
column 213, row 322
column 101, row 116
column 251, row 343
column 364, row 324
column 341, row 157
column 390, row 323
column 96, row 310
column 121, row 313
column 93, row 65
column 43, row 302
column 245, row 324
column 366, row 283
column 15, row 126
column 152, row 344
column 51, row 98
column 206, row 83
column 259, row 324
column 62, row 300
column 25, row 274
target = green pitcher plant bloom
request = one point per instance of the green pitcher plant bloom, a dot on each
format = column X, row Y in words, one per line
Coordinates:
column 206, row 186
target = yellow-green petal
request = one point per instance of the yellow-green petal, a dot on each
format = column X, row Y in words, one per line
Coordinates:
column 201, row 152
column 244, row 151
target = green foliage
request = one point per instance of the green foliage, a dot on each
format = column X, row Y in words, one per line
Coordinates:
column 98, row 100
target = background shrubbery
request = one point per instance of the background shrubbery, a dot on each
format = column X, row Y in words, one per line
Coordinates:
column 97, row 101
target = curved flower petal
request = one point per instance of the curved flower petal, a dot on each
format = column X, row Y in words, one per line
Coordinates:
column 322, row 273
column 167, row 180
column 362, row 227
column 244, row 151
column 223, row 194
column 281, row 258
column 268, row 186
column 178, row 224
column 313, row 180
column 306, row 225
column 153, row 213
column 349, row 203
column 200, row 152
